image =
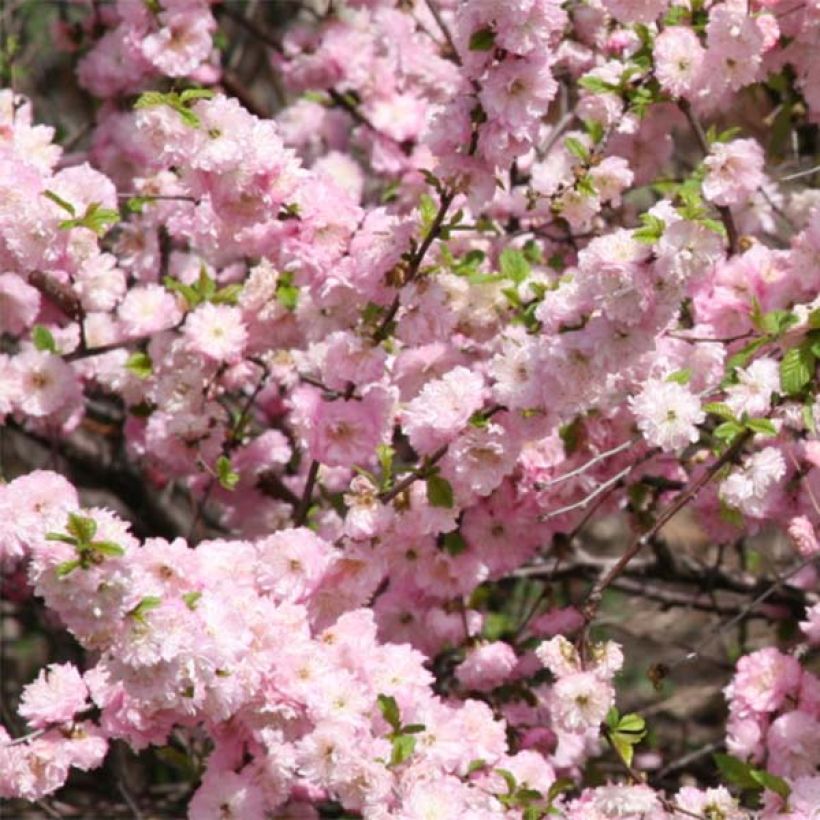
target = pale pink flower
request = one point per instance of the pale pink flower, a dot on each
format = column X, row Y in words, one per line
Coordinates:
column 667, row 414
column 442, row 408
column 19, row 304
column 55, row 696
column 679, row 59
column 802, row 535
column 486, row 666
column 763, row 680
column 753, row 392
column 46, row 384
column 747, row 489
column 216, row 331
column 579, row 701
column 734, row 171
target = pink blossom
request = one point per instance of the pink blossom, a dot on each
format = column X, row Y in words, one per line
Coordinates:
column 55, row 697
column 764, row 679
column 487, row 666
column 679, row 59
column 734, row 171
column 216, row 331
column 668, row 414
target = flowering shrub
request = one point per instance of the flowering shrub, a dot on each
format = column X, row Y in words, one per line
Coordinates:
column 365, row 365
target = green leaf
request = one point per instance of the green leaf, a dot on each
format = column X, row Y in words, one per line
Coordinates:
column 193, row 94
column 476, row 765
column 728, row 431
column 287, row 294
column 403, row 747
column 390, row 711
column 59, row 536
column 514, row 265
column 428, row 210
column 735, row 771
column 140, row 365
column 43, row 340
column 596, row 85
column 83, row 529
column 453, row 543
column 58, row 200
column 612, row 717
column 413, row 728
column 67, row 567
column 439, row 492
column 796, row 370
column 228, row 477
column 96, row 219
column 191, row 599
column 720, row 409
column 632, row 723
column 624, row 746
column 107, row 548
column 771, row 782
column 651, row 230
column 145, row 605
column 229, row 295
column 482, row 40
column 563, row 784
column 762, row 426
column 731, row 515
column 814, row 319
column 189, row 293
column 577, row 148
column 680, row 376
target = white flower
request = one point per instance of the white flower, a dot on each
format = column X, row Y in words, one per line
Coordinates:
column 667, row 414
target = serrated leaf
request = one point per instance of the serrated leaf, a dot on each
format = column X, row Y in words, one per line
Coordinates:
column 108, row 548
column 631, row 723
column 576, row 148
column 227, row 476
column 82, row 528
column 735, row 771
column 67, row 567
column 720, row 409
column 509, row 779
column 43, row 340
column 439, row 492
column 140, row 365
column 58, row 200
column 145, row 605
column 476, row 765
column 728, row 431
column 453, row 543
column 403, row 748
column 191, row 599
column 796, row 370
column 771, row 782
column 514, row 265
column 762, row 426
column 683, row 376
column 482, row 40
column 390, row 711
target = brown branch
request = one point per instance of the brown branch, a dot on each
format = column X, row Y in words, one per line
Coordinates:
column 688, row 495
column 419, row 473
column 725, row 212
column 307, row 494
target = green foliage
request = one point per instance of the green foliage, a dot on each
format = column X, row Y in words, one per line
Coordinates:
column 651, row 230
column 177, row 101
column 747, row 778
column 482, row 40
column 624, row 732
column 439, row 491
column 96, row 219
column 140, row 365
column 402, row 737
column 203, row 290
column 287, row 294
column 80, row 532
column 226, row 475
column 43, row 340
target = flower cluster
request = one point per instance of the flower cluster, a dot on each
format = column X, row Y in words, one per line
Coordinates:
column 484, row 274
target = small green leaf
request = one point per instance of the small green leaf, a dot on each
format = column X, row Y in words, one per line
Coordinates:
column 509, row 779
column 191, row 599
column 736, row 771
column 651, row 230
column 287, row 294
column 728, row 431
column 439, row 492
column 612, row 717
column 107, row 548
column 227, row 476
column 771, row 782
column 596, row 85
column 514, row 265
column 623, row 745
column 193, row 94
column 476, row 765
column 577, row 148
column 720, row 409
column 390, row 711
column 680, row 376
column 83, row 529
column 413, row 728
column 482, row 40
column 453, row 543
column 796, row 370
column 145, row 605
column 67, row 567
column 403, row 747
column 632, row 723
column 140, row 365
column 58, row 200
column 762, row 426
column 43, row 340
column 229, row 295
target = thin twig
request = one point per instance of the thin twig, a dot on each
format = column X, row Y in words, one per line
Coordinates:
column 307, row 494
